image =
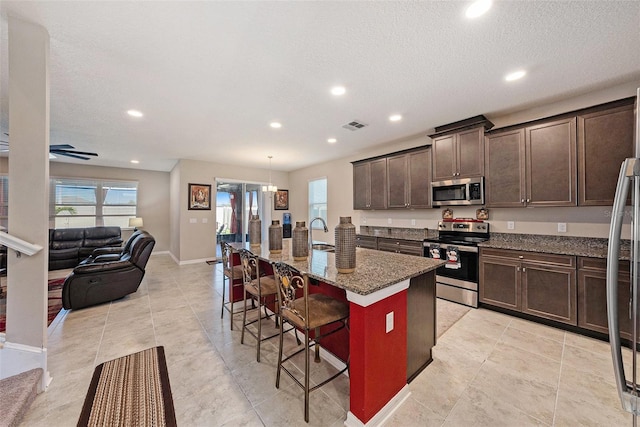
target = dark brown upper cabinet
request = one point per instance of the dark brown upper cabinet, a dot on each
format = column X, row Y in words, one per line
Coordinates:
column 370, row 184
column 532, row 166
column 409, row 180
column 605, row 139
column 458, row 155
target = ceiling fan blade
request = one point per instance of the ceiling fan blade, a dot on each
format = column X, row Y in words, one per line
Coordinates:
column 84, row 153
column 70, row 155
column 61, row 147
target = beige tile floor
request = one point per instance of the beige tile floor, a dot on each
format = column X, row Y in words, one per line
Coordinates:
column 489, row 369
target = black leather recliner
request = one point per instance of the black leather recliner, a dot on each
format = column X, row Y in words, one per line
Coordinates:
column 97, row 282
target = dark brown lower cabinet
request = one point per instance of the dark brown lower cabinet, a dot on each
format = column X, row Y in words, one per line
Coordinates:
column 543, row 285
column 369, row 242
column 592, row 296
column 401, row 246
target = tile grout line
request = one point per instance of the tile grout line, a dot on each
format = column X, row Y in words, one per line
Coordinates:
column 555, row 406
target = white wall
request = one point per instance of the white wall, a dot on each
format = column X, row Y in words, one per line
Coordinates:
column 197, row 239
column 581, row 221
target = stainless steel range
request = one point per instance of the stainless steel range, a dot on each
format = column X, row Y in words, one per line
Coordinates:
column 457, row 244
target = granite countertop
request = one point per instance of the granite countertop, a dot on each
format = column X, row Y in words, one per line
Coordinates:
column 375, row 270
column 580, row 246
column 418, row 234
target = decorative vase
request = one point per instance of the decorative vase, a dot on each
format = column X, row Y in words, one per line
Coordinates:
column 345, row 245
column 275, row 237
column 300, row 242
column 255, row 231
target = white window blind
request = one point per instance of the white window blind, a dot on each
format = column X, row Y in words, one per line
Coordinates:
column 318, row 200
column 92, row 202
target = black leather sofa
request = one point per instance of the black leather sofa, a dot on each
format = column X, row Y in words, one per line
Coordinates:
column 108, row 278
column 69, row 246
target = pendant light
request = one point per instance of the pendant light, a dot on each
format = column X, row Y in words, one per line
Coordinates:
column 269, row 188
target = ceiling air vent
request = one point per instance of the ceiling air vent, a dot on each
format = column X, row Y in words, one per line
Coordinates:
column 354, row 125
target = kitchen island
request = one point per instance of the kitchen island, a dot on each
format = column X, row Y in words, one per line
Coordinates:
column 392, row 321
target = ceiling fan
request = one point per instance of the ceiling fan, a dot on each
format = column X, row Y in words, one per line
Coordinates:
column 58, row 150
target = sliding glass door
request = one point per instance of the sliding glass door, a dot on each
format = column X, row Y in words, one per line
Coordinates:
column 235, row 201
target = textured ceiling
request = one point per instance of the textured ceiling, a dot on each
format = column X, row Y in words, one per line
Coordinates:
column 211, row 76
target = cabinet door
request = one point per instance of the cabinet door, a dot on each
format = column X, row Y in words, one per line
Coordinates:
column 592, row 301
column 419, row 187
column 361, row 185
column 444, row 159
column 505, row 169
column 397, row 181
column 605, row 139
column 551, row 163
column 470, row 153
column 500, row 282
column 550, row 292
column 378, row 188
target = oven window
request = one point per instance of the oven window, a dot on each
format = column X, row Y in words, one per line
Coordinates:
column 468, row 270
column 450, row 192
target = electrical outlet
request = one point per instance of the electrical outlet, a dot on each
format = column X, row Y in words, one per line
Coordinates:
column 205, row 220
column 389, row 221
column 413, row 222
column 562, row 227
column 511, row 225
column 389, row 327
column 364, row 219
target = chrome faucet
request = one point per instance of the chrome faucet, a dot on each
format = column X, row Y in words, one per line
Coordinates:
column 324, row 224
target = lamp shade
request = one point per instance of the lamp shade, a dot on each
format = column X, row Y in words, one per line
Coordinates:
column 135, row 222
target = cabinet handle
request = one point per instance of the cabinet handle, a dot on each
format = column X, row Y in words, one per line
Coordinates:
column 524, row 269
column 521, row 256
column 522, row 201
column 517, row 268
column 528, row 200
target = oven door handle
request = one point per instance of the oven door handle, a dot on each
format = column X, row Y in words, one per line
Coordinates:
column 472, row 249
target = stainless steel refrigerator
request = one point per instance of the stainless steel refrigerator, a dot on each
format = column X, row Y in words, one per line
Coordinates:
column 628, row 182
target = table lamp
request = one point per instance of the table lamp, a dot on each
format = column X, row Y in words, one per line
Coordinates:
column 135, row 223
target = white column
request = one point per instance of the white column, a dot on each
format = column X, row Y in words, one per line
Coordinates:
column 26, row 334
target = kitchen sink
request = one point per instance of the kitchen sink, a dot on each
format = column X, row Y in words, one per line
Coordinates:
column 323, row 247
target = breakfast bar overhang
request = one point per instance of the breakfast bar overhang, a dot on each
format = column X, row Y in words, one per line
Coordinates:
column 392, row 319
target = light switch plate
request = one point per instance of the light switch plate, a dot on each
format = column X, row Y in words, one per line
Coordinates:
column 389, row 322
column 511, row 225
column 389, row 221
column 193, row 220
column 205, row 220
column 562, row 227
column 413, row 222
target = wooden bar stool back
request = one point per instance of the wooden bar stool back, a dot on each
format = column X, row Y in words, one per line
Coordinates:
column 231, row 273
column 306, row 311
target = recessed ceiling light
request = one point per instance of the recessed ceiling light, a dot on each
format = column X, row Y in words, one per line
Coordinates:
column 338, row 90
column 478, row 8
column 395, row 118
column 275, row 125
column 135, row 162
column 516, row 75
column 332, row 140
column 134, row 113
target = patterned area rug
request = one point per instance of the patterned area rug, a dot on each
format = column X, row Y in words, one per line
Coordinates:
column 55, row 302
column 130, row 391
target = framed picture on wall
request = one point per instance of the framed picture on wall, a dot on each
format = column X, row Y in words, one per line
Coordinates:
column 199, row 197
column 281, row 200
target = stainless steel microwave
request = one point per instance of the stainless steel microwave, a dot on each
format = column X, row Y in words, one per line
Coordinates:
column 457, row 192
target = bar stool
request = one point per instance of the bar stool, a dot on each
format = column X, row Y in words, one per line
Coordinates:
column 308, row 312
column 232, row 273
column 258, row 289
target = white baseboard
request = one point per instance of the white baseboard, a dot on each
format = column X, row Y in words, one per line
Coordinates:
column 383, row 414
